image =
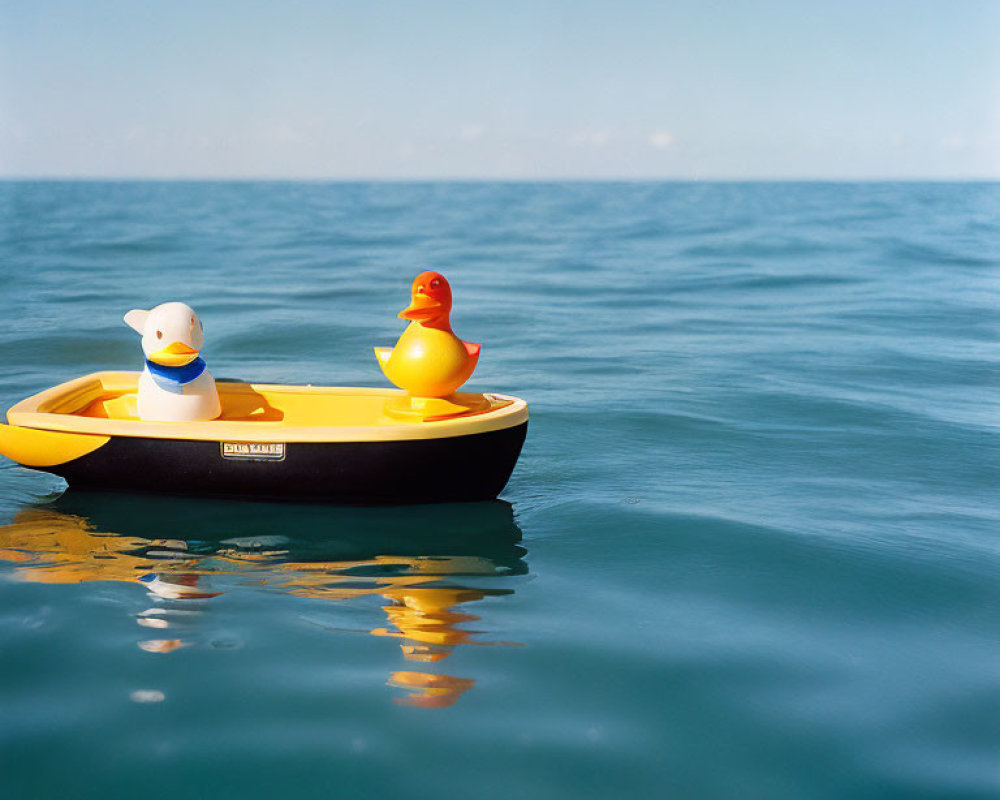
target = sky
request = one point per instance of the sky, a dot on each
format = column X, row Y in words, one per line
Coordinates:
column 518, row 89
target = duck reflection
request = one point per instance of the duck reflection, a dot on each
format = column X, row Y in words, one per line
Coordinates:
column 424, row 563
column 429, row 691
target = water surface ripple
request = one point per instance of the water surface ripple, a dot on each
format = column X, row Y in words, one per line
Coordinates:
column 750, row 550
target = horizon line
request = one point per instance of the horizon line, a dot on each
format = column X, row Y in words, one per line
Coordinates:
column 485, row 179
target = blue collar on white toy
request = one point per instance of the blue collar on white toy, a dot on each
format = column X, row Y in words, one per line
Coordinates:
column 173, row 378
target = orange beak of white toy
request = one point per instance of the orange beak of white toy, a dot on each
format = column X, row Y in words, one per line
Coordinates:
column 174, row 355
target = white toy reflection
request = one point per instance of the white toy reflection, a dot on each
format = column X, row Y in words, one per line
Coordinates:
column 174, row 386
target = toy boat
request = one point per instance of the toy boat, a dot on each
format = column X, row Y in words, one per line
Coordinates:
column 336, row 444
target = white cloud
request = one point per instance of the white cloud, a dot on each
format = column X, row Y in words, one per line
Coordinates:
column 285, row 134
column 954, row 142
column 661, row 140
column 589, row 138
column 471, row 132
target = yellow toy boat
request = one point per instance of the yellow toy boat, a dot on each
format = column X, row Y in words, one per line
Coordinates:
column 337, row 444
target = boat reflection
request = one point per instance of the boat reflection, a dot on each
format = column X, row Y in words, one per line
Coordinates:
column 424, row 563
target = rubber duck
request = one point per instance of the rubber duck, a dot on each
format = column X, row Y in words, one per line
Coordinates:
column 429, row 360
column 174, row 386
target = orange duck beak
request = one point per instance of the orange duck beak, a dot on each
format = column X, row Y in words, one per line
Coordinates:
column 174, row 355
column 430, row 297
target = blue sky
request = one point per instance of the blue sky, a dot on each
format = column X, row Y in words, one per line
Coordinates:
column 480, row 89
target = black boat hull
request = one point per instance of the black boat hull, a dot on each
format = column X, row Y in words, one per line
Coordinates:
column 400, row 472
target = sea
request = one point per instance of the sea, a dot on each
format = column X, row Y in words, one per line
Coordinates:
column 751, row 548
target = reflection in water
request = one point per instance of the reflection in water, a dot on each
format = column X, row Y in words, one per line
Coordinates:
column 62, row 548
column 425, row 563
column 429, row 691
column 178, row 586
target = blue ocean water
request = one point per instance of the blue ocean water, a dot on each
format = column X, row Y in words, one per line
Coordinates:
column 750, row 550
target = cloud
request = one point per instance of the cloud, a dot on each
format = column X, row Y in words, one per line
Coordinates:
column 286, row 134
column 661, row 140
column 471, row 132
column 589, row 138
column 954, row 142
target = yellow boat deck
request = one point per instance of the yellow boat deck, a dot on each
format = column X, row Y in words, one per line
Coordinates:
column 104, row 404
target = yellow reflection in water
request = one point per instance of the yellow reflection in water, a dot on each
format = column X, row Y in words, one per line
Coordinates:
column 421, row 612
column 423, row 593
column 53, row 547
column 429, row 691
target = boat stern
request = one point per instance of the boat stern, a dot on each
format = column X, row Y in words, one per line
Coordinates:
column 37, row 448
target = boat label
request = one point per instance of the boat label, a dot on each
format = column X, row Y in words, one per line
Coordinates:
column 254, row 451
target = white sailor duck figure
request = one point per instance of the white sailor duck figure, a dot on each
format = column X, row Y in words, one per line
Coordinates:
column 174, row 385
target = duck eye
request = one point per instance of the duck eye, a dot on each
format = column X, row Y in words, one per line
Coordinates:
column 159, row 334
column 435, row 283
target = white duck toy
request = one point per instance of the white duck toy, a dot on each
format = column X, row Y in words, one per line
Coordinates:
column 174, row 385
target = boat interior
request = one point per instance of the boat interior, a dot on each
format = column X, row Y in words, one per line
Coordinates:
column 111, row 397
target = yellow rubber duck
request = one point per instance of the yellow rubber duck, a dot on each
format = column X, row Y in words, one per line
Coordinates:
column 429, row 360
